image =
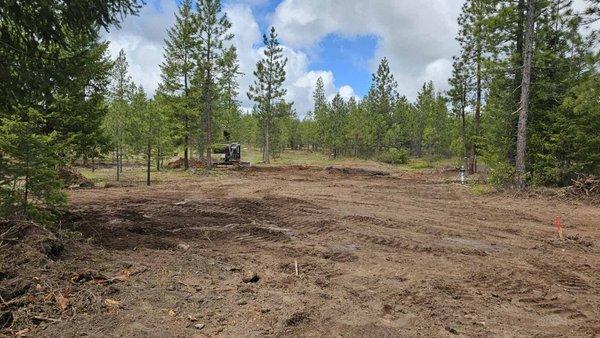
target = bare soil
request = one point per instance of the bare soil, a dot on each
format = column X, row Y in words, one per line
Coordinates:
column 377, row 255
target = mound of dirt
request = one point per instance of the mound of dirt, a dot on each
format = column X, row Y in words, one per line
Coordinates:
column 275, row 169
column 179, row 164
column 356, row 171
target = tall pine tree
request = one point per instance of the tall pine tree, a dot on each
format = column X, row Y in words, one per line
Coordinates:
column 320, row 112
column 381, row 98
column 115, row 122
column 177, row 71
column 267, row 90
column 212, row 36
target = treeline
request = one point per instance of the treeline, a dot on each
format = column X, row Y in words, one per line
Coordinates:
column 381, row 124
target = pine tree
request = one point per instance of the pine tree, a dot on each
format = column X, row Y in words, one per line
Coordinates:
column 213, row 33
column 399, row 133
column 166, row 138
column 121, row 91
column 36, row 41
column 579, row 127
column 562, row 60
column 472, row 38
column 267, row 90
column 382, row 98
column 29, row 183
column 320, row 112
column 81, row 100
column 592, row 12
column 280, row 131
column 337, row 125
column 361, row 128
column 229, row 91
column 458, row 92
column 422, row 106
column 53, row 74
column 147, row 129
column 177, row 71
column 431, row 124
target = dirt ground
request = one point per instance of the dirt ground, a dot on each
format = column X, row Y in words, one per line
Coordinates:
column 377, row 255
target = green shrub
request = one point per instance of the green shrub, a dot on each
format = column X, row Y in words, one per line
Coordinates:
column 394, row 156
column 29, row 183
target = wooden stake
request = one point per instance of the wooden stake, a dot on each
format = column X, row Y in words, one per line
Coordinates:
column 559, row 227
column 296, row 266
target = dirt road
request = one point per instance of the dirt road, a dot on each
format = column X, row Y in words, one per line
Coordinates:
column 400, row 255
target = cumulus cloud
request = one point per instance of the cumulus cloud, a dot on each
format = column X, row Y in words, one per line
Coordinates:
column 347, row 92
column 417, row 36
column 142, row 39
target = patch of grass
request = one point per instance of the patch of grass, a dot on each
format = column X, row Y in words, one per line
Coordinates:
column 299, row 157
column 134, row 175
column 418, row 164
column 481, row 189
column 91, row 175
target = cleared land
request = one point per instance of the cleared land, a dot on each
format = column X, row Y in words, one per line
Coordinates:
column 412, row 253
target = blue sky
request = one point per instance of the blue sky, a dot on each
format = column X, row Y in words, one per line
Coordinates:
column 347, row 58
column 341, row 41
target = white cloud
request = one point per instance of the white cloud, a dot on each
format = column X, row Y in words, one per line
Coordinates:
column 302, row 89
column 142, row 39
column 417, row 36
column 347, row 92
column 246, row 35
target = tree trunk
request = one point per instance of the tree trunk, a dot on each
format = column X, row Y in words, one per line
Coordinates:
column 477, row 120
column 186, row 150
column 158, row 160
column 149, row 155
column 26, row 193
column 267, row 153
column 513, row 120
column 525, row 93
column 464, row 124
column 208, row 101
column 120, row 159
column 117, row 160
column 209, row 137
column 186, row 141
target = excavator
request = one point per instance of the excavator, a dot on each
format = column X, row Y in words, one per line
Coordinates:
column 231, row 153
